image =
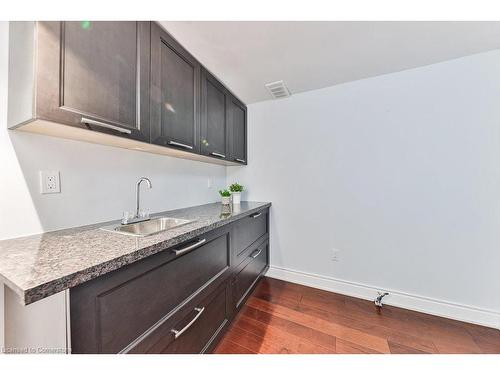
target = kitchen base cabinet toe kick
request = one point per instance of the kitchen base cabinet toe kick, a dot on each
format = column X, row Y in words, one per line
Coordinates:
column 174, row 301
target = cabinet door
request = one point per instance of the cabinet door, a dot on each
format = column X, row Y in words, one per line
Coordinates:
column 175, row 92
column 237, row 115
column 95, row 75
column 247, row 277
column 214, row 129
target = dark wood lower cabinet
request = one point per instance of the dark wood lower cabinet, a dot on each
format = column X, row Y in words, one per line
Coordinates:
column 245, row 232
column 247, row 276
column 170, row 303
column 192, row 330
column 199, row 329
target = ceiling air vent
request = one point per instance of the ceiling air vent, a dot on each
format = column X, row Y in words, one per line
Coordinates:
column 278, row 89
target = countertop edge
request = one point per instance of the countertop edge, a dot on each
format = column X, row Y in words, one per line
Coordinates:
column 38, row 292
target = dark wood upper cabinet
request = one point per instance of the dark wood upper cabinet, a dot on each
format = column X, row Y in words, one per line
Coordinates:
column 237, row 120
column 96, row 80
column 95, row 75
column 214, row 116
column 175, row 93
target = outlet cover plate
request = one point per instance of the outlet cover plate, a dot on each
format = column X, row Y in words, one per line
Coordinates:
column 335, row 255
column 50, row 182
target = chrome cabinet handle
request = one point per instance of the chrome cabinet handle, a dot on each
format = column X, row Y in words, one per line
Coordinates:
column 240, row 160
column 190, row 247
column 177, row 333
column 217, row 154
column 256, row 215
column 89, row 121
column 256, row 253
column 174, row 143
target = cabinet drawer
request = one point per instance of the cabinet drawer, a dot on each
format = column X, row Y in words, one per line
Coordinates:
column 247, row 231
column 246, row 278
column 192, row 330
column 109, row 313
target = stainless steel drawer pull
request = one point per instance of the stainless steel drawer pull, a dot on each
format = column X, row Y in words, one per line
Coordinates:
column 240, row 160
column 104, row 125
column 256, row 253
column 177, row 334
column 190, row 247
column 256, row 215
column 174, row 143
column 217, row 154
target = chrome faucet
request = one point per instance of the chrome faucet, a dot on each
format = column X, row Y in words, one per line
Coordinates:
column 137, row 218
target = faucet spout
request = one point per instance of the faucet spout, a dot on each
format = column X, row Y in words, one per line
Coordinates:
column 138, row 195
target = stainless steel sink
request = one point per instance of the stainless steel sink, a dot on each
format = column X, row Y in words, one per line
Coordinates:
column 149, row 227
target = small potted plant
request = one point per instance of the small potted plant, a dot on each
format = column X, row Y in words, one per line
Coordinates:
column 236, row 190
column 225, row 196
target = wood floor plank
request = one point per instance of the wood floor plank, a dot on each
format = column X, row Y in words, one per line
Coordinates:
column 346, row 347
column 268, row 333
column 452, row 347
column 403, row 349
column 282, row 317
column 371, row 328
column 280, row 291
column 424, row 326
column 317, row 342
column 369, row 341
column 362, row 322
column 488, row 339
column 298, row 292
column 448, row 336
column 306, row 347
column 298, row 330
column 487, row 346
column 258, row 344
column 226, row 346
column 398, row 325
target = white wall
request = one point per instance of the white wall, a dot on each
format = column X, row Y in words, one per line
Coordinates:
column 399, row 172
column 97, row 182
column 39, row 328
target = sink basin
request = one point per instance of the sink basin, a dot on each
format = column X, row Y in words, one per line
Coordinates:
column 149, row 227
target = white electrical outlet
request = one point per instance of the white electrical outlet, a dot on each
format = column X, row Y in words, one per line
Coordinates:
column 209, row 183
column 50, row 182
column 335, row 255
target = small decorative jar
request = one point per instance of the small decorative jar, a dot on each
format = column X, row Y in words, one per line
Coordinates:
column 226, row 210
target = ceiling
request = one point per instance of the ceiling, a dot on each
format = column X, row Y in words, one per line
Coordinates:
column 312, row 55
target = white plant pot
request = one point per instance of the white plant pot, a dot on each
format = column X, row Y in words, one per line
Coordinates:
column 236, row 197
column 226, row 200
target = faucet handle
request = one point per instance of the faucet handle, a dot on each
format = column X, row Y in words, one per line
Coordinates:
column 127, row 216
column 144, row 213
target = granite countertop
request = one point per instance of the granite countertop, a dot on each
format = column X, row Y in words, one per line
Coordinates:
column 38, row 266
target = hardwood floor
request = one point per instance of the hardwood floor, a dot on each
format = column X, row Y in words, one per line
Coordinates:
column 281, row 317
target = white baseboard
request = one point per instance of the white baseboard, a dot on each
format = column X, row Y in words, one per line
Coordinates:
column 399, row 299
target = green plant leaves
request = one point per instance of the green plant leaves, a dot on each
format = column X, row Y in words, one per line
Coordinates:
column 236, row 188
column 225, row 193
